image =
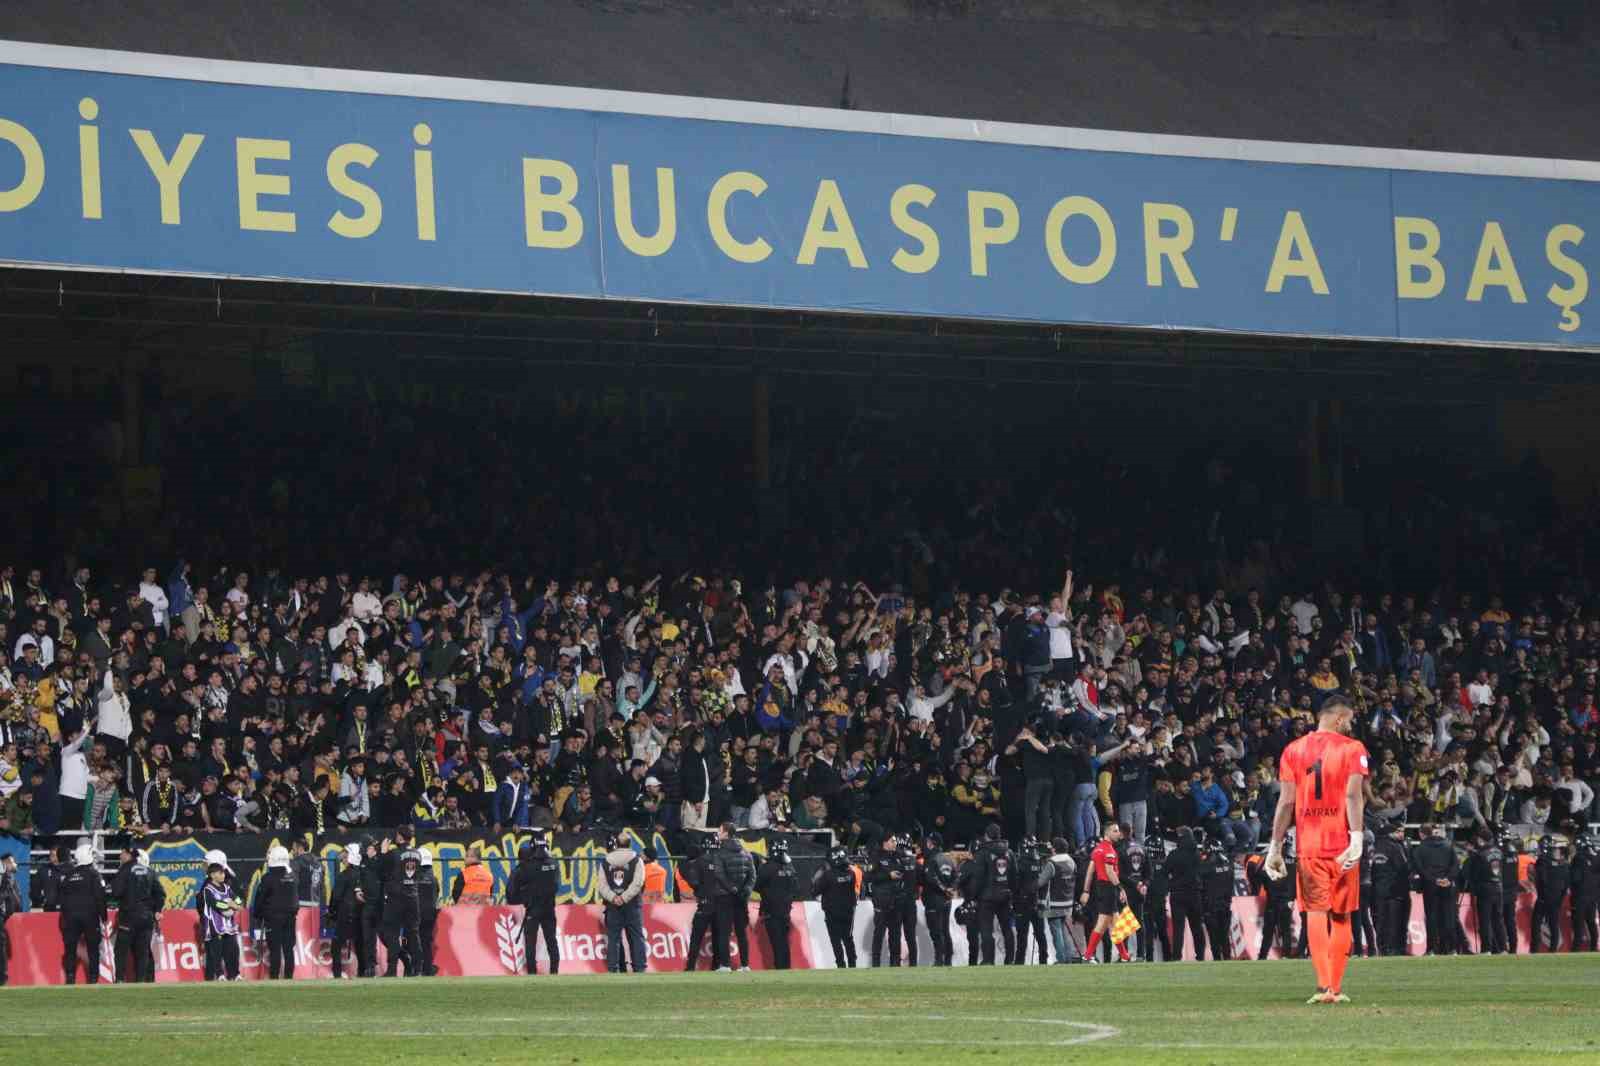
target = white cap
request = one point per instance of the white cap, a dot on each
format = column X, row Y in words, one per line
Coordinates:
column 218, row 857
column 278, row 855
column 83, row 855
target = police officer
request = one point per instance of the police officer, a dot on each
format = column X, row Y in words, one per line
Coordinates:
column 1391, row 887
column 1485, row 870
column 428, row 905
column 1183, row 876
column 885, row 883
column 1511, row 875
column 1031, row 891
column 778, row 883
column 140, row 898
column 1363, row 928
column 372, row 879
column 834, row 885
column 1136, row 881
column 938, row 877
column 967, row 913
column 734, row 878
column 906, row 903
column 1552, row 879
column 534, row 885
column 276, row 906
column 83, row 909
column 1216, row 894
column 1586, row 895
column 1153, row 911
column 698, row 876
column 1276, row 922
column 402, row 915
column 10, row 903
column 1060, row 899
column 993, row 882
column 346, row 912
column 1433, row 862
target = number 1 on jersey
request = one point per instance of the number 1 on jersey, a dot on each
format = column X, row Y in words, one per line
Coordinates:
column 1315, row 770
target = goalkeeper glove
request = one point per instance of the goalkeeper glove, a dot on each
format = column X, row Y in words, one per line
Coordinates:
column 1352, row 855
column 1275, row 867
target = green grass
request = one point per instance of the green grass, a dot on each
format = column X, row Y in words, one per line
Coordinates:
column 1457, row 1011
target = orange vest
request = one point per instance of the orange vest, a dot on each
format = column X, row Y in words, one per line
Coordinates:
column 477, row 884
column 655, row 883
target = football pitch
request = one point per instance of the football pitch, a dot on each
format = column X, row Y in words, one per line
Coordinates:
column 1494, row 1010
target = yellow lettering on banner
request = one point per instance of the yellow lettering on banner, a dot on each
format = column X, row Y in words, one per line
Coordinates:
column 830, row 227
column 89, row 157
column 1170, row 246
column 339, row 162
column 1494, row 266
column 1408, row 256
column 27, row 190
column 717, row 216
column 422, row 172
column 537, row 203
column 666, row 212
column 248, row 151
column 168, row 172
column 1574, row 294
column 980, row 234
column 1095, row 270
column 1295, row 257
column 900, row 214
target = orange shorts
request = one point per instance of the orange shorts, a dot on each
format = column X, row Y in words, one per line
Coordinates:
column 1322, row 885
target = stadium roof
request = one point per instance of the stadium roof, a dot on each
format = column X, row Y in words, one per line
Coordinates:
column 1450, row 75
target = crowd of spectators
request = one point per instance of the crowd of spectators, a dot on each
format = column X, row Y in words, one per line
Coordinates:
column 177, row 701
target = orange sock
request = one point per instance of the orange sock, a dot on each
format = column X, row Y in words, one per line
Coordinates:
column 1317, row 937
column 1338, row 950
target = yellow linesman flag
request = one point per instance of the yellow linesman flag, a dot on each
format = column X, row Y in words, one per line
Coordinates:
column 1125, row 926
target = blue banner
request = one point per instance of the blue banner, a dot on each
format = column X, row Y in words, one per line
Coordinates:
column 178, row 174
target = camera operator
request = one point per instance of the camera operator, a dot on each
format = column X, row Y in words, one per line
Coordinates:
column 1433, row 862
column 1216, row 894
column 1391, row 885
column 1153, row 916
column 938, row 877
column 1485, row 871
column 534, row 885
column 834, row 886
column 992, row 881
column 83, row 909
column 1183, row 874
column 273, row 913
column 1032, row 889
column 1062, row 875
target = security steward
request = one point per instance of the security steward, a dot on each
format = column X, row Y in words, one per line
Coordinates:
column 937, row 876
column 276, row 906
column 83, row 910
column 621, row 883
column 534, row 885
column 140, row 898
column 777, row 882
column 834, row 885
